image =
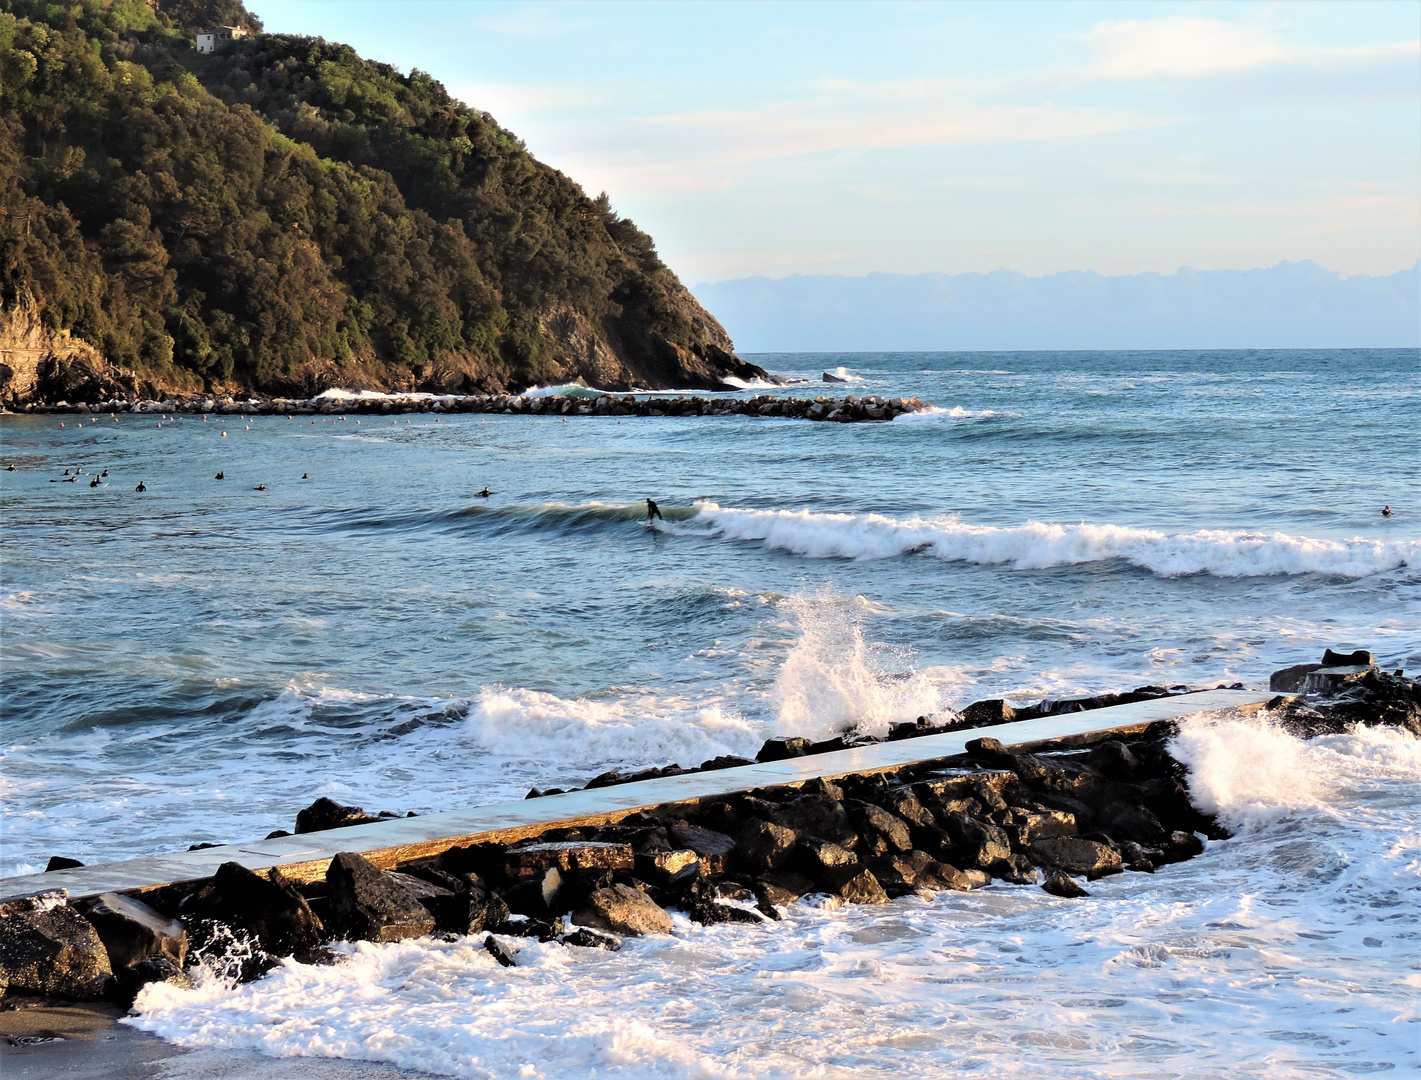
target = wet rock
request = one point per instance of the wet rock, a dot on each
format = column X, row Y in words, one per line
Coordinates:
column 60, row 862
column 153, row 969
column 499, row 952
column 1029, row 826
column 1180, row 846
column 825, row 788
column 1289, row 680
column 532, row 860
column 623, row 910
column 46, row 947
column 1075, row 855
column 882, row 832
column 763, row 846
column 274, row 913
column 1361, row 657
column 368, row 904
column 713, row 847
column 902, row 802
column 817, row 815
column 586, row 938
column 132, row 931
column 536, row 895
column 1016, row 869
column 1125, row 822
column 783, row 887
column 1331, row 681
column 1114, row 760
column 818, row 858
column 326, row 814
column 1061, row 884
column 1078, row 810
column 781, row 749
column 982, row 713
column 1139, row 858
column 975, row 843
column 719, row 816
column 906, row 872
column 725, row 761
column 857, row 885
column 469, row 912
column 663, row 867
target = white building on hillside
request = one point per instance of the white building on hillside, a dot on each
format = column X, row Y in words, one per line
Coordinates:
column 210, row 40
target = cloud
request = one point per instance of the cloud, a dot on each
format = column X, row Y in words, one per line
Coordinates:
column 1183, row 47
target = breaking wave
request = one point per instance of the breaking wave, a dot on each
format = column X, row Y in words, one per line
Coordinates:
column 1037, row 544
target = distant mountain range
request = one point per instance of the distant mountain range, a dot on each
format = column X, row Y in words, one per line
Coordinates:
column 1291, row 305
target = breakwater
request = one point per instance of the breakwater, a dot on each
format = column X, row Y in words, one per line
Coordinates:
column 1093, row 801
column 849, row 409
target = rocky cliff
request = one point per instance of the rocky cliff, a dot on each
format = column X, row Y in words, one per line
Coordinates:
column 285, row 216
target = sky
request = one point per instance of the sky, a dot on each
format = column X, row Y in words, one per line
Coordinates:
column 770, row 139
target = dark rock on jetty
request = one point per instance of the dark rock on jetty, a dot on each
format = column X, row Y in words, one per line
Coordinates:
column 845, row 410
column 1060, row 813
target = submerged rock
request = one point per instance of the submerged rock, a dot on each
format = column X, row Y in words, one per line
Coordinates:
column 269, row 909
column 1058, row 883
column 326, row 814
column 1076, row 856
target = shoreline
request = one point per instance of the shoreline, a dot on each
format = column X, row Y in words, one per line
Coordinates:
column 849, row 409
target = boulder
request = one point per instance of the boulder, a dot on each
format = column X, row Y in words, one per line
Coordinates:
column 47, row 947
column 585, row 938
column 538, row 895
column 975, row 843
column 982, row 713
column 1030, row 826
column 763, row 846
column 1289, row 680
column 782, row 749
column 273, row 912
column 370, row 905
column 1114, row 760
column 1016, row 869
column 882, row 832
column 153, row 969
column 1076, row 856
column 817, row 815
column 1361, row 657
column 857, row 885
column 326, row 813
column 623, row 910
column 499, row 952
column 1125, row 822
column 663, row 867
column 902, row 802
column 61, row 862
column 1062, row 884
column 133, row 932
column 583, row 855
column 469, row 912
column 818, row 858
column 713, row 847
column 782, row 887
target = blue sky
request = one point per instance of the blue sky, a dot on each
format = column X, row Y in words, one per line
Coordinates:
column 781, row 138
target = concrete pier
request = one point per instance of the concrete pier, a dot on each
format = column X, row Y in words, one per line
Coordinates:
column 395, row 840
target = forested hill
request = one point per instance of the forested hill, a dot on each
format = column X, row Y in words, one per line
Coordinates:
column 285, row 216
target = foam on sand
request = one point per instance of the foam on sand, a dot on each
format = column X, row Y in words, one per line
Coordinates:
column 1038, row 544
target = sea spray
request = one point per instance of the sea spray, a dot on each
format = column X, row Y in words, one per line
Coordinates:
column 834, row 680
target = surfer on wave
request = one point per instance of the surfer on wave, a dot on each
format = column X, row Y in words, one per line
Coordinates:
column 653, row 511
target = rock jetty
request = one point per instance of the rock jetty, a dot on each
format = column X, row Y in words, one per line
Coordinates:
column 1059, row 817
column 851, row 409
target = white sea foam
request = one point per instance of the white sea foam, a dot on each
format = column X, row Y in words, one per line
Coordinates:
column 936, row 413
column 1036, row 545
column 1284, row 953
column 562, row 390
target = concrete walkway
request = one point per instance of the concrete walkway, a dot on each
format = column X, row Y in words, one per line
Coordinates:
column 389, row 842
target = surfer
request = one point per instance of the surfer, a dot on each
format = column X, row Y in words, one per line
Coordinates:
column 219, row 476
column 1386, row 511
column 653, row 511
column 94, row 482
column 141, row 486
column 484, row 494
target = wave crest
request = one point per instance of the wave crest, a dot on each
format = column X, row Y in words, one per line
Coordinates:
column 1038, row 545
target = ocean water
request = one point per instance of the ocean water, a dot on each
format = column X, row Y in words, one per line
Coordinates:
column 199, row 661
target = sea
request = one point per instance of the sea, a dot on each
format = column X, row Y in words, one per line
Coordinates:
column 343, row 615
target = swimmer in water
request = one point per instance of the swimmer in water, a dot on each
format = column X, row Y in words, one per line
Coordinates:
column 259, row 487
column 653, row 511
column 141, row 486
column 484, row 494
column 219, row 476
column 1386, row 511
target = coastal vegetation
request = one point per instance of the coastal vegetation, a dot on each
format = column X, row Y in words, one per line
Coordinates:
column 283, row 216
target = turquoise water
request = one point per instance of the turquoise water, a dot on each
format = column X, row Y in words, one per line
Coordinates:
column 197, row 662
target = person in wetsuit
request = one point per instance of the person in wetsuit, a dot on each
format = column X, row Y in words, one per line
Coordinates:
column 653, row 511
column 1386, row 511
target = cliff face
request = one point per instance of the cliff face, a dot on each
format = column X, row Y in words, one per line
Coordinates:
column 285, row 217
